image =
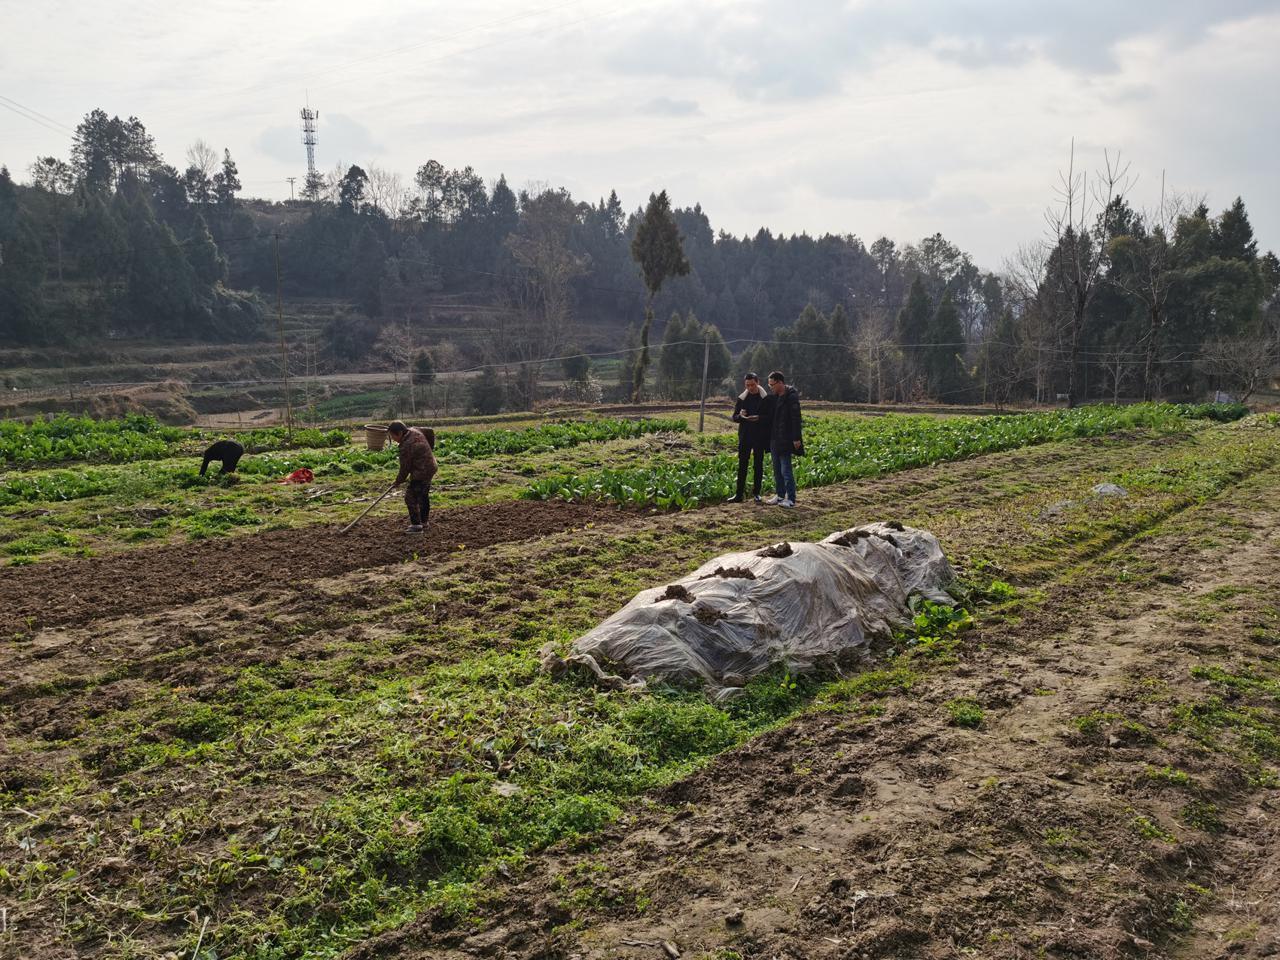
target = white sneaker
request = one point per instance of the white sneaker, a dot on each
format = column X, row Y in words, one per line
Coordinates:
column 786, row 503
column 773, row 501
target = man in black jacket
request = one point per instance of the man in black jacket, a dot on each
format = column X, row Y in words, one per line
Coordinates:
column 751, row 414
column 785, row 438
column 228, row 451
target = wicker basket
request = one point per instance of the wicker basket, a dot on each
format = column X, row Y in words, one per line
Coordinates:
column 375, row 437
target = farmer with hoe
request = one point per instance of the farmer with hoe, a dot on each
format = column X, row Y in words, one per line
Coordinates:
column 227, row 451
column 751, row 413
column 418, row 466
column 784, row 438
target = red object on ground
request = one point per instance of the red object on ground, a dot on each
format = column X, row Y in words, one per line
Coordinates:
column 301, row 475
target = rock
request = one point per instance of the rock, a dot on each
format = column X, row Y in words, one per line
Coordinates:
column 671, row 950
column 1109, row 490
column 733, row 918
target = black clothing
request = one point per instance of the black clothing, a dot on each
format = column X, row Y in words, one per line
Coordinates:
column 417, row 497
column 753, row 434
column 228, row 451
column 744, row 458
column 784, row 430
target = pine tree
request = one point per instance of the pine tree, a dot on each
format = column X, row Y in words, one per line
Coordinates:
column 1233, row 234
column 206, row 260
column 943, row 363
column 658, row 249
column 366, row 257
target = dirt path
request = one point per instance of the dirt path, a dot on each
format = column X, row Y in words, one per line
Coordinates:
column 1095, row 813
column 67, row 592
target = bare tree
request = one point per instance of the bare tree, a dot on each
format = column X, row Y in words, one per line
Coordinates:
column 1036, row 333
column 202, row 157
column 1079, row 229
column 1246, row 365
column 1117, row 362
column 874, row 347
column 543, row 295
column 385, row 190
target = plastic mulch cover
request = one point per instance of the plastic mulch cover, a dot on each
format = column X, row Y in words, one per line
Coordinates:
column 798, row 604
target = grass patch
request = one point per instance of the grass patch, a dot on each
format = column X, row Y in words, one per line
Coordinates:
column 965, row 712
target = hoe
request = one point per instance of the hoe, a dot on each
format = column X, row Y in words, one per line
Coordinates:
column 381, row 497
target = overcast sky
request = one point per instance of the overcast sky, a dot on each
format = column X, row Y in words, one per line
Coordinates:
column 900, row 118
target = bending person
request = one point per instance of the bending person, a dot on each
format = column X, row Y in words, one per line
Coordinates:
column 418, row 466
column 228, row 452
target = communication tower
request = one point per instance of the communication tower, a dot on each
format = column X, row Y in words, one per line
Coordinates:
column 309, row 118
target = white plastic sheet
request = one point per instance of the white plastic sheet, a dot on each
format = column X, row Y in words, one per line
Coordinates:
column 798, row 604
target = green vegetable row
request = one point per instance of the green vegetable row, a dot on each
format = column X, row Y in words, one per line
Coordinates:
column 146, row 479
column 133, row 437
column 845, row 449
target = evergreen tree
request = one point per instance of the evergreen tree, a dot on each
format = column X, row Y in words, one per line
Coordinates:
column 209, row 264
column 351, row 190
column 226, row 184
column 160, row 283
column 22, row 270
column 659, row 251
column 366, row 257
column 943, row 364
column 424, row 368
column 577, row 367
column 913, row 331
column 685, row 343
column 486, row 393
column 1233, row 234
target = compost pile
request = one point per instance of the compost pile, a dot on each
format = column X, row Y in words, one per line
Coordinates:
column 798, row 604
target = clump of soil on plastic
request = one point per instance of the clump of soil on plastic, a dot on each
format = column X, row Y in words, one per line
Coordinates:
column 707, row 615
column 777, row 551
column 676, row 592
column 731, row 573
column 849, row 539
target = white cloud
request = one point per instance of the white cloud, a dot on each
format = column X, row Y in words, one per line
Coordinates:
column 847, row 116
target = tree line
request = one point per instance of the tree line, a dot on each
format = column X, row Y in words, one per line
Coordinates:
column 113, row 241
column 1115, row 301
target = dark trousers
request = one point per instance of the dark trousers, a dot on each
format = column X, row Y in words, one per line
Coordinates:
column 784, row 479
column 417, row 497
column 745, row 455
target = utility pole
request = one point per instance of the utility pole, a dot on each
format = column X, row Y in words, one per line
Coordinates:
column 291, row 179
column 284, row 353
column 706, row 362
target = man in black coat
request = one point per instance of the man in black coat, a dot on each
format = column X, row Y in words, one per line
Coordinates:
column 751, row 414
column 228, row 451
column 785, row 438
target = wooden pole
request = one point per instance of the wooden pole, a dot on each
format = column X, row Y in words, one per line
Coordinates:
column 706, row 362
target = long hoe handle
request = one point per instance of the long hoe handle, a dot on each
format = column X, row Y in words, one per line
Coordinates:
column 367, row 509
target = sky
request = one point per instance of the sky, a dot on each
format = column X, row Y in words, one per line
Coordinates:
column 900, row 118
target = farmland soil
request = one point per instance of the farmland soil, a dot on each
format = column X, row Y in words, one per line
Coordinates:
column 1078, row 820
column 68, row 592
column 880, row 830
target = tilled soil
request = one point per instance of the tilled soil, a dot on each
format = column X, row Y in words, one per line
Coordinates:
column 67, row 592
column 903, row 835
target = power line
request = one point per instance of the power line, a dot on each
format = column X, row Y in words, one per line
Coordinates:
column 37, row 113
column 33, row 119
